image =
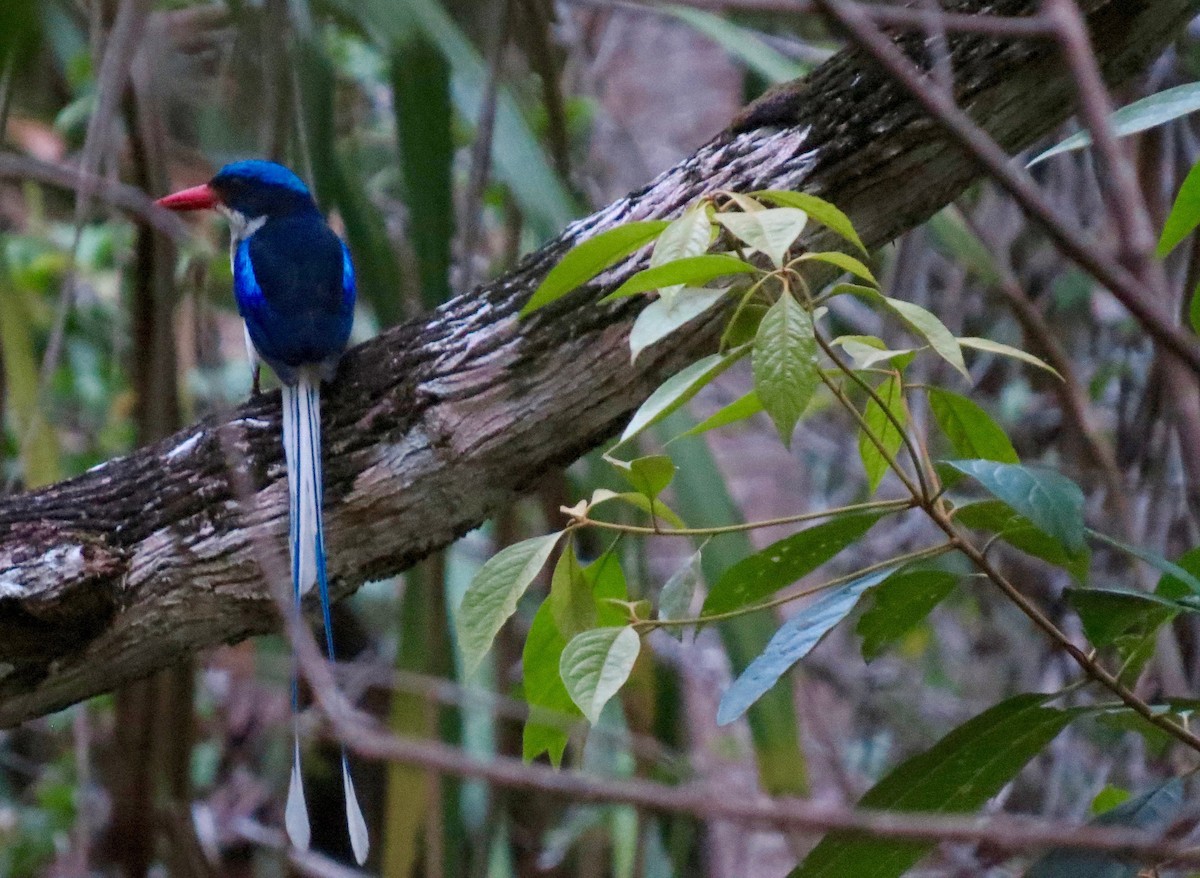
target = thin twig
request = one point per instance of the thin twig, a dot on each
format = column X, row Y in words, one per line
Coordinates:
column 481, row 148
column 896, row 16
column 1072, row 398
column 126, row 198
column 1116, row 177
column 1124, row 285
column 913, row 454
column 1086, row 662
column 583, row 520
column 114, row 70
column 894, row 561
column 1009, row 833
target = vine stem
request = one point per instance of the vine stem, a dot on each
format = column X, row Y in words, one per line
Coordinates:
column 887, row 412
column 582, row 520
column 935, row 509
column 890, row 458
column 907, row 558
column 1090, row 666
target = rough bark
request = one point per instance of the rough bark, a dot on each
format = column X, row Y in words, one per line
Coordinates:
column 435, row 424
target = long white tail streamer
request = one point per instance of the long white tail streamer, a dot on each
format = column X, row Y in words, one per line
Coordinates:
column 302, row 451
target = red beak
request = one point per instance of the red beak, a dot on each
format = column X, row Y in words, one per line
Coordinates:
column 200, row 197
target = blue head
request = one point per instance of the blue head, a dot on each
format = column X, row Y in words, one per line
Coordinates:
column 247, row 192
column 260, row 189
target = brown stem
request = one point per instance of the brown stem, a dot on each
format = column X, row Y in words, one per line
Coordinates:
column 1124, row 285
column 1089, row 665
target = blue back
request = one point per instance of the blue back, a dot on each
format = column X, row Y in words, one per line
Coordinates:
column 293, row 278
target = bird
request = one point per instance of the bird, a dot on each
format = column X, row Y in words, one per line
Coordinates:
column 293, row 281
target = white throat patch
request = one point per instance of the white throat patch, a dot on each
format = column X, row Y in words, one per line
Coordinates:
column 240, row 227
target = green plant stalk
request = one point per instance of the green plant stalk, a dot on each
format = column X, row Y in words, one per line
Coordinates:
column 837, row 391
column 935, row 509
column 887, row 412
column 774, row 724
column 1086, row 662
column 751, row 291
column 584, row 521
column 907, row 558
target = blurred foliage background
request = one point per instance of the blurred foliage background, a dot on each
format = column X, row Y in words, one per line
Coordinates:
column 445, row 138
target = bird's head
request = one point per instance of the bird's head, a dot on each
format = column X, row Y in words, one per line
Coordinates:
column 248, row 193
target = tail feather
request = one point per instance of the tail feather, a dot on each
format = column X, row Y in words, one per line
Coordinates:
column 295, row 814
column 302, row 448
column 304, row 479
column 360, row 842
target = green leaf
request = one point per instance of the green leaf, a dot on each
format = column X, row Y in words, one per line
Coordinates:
column 691, row 271
column 1156, row 109
column 675, row 599
column 1177, row 573
column 792, row 642
column 608, row 587
column 845, row 262
column 848, row 289
column 995, row 347
column 665, row 315
column 970, row 429
column 786, row 373
column 876, row 465
column 1154, row 810
column 899, row 605
column 40, row 464
column 1108, row 798
column 587, row 259
column 1171, row 585
column 420, row 77
column 1185, row 213
column 571, row 601
column 817, row 209
column 677, row 390
column 649, row 475
column 638, row 501
column 868, row 351
column 743, row 325
column 958, row 774
column 780, row 564
column 1110, row 614
column 743, row 44
column 493, row 594
column 928, row 326
column 741, row 408
column 544, row 689
column 1020, row 533
column 772, row 231
column 704, row 499
column 689, row 235
column 1051, row 501
column 596, row 664
column 542, row 683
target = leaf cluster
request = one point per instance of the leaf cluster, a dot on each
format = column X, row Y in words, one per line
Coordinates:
column 742, row 258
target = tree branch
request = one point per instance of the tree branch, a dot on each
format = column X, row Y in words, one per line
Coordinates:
column 436, row 424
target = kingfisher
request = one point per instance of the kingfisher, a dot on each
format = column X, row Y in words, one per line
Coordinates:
column 293, row 280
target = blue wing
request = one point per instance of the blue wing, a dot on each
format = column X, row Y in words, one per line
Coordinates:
column 294, row 285
column 349, row 284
